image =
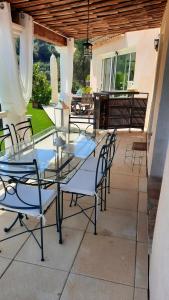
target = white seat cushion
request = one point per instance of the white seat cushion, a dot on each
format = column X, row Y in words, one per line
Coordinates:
column 83, row 182
column 29, row 195
column 90, row 164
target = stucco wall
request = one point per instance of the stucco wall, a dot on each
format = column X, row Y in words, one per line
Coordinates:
column 159, row 121
column 159, row 263
column 142, row 42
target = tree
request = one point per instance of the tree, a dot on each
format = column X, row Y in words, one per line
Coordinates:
column 41, row 92
column 43, row 51
column 81, row 66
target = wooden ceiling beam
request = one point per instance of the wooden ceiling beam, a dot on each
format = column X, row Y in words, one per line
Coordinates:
column 48, row 35
column 82, row 7
column 69, row 17
column 43, row 33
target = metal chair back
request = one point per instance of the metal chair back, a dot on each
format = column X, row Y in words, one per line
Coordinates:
column 111, row 141
column 101, row 165
column 82, row 124
column 5, row 134
column 13, row 175
column 21, row 130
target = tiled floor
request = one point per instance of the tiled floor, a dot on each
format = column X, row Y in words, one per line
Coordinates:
column 109, row 266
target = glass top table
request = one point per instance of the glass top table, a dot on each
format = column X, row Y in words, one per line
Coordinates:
column 59, row 153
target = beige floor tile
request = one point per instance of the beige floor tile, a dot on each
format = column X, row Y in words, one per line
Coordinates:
column 124, row 182
column 10, row 247
column 4, row 262
column 78, row 222
column 142, row 207
column 82, row 288
column 141, row 279
column 143, row 184
column 121, row 166
column 56, row 255
column 122, row 199
column 106, row 258
column 142, row 229
column 140, row 294
column 25, row 281
column 115, row 222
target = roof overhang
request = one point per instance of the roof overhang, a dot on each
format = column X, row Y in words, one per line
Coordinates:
column 40, row 31
column 68, row 18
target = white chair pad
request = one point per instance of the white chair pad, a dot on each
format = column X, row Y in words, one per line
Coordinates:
column 29, row 195
column 90, row 164
column 83, row 182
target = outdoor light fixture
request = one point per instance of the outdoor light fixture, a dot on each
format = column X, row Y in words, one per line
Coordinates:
column 156, row 43
column 87, row 45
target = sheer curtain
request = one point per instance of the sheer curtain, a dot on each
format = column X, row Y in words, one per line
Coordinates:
column 15, row 81
column 66, row 70
column 26, row 56
column 54, row 78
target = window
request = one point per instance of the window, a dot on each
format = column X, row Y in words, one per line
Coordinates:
column 118, row 71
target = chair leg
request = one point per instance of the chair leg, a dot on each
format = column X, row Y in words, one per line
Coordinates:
column 57, row 224
column 18, row 218
column 59, row 205
column 95, row 215
column 41, row 233
column 101, row 204
column 109, row 181
column 76, row 200
column 105, row 194
column 71, row 201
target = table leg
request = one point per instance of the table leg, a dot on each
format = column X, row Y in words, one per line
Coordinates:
column 59, row 218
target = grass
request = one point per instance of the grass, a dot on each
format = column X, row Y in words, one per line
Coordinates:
column 40, row 119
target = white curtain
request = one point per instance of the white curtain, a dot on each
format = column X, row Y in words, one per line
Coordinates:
column 26, row 56
column 54, row 78
column 66, row 70
column 13, row 91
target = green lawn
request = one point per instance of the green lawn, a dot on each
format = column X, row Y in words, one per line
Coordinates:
column 40, row 120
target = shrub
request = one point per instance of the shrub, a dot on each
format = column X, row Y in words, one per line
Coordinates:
column 41, row 91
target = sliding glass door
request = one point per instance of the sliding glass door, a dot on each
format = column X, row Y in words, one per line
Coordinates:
column 118, row 71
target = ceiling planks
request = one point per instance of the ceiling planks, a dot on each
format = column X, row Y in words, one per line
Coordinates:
column 69, row 17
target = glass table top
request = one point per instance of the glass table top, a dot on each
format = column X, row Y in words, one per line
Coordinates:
column 59, row 153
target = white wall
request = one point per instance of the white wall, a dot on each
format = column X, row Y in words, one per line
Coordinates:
column 160, row 109
column 141, row 42
column 159, row 264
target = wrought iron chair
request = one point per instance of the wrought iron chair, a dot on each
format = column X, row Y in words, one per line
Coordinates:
column 82, row 124
column 86, row 183
column 91, row 163
column 87, row 104
column 22, row 129
column 5, row 134
column 24, row 197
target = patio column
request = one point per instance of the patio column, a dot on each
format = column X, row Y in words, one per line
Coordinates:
column 66, row 71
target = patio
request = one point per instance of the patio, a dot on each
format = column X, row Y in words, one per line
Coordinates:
column 111, row 265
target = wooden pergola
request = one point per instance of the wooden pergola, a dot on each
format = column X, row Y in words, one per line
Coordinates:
column 57, row 20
